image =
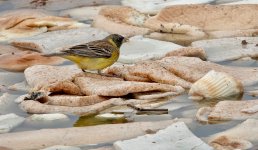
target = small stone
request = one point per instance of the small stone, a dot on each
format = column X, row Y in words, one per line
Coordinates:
column 110, row 116
column 244, row 42
column 48, row 117
column 139, row 48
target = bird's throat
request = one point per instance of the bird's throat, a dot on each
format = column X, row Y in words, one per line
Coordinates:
column 112, row 42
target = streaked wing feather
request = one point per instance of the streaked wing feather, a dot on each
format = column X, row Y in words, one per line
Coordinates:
column 100, row 49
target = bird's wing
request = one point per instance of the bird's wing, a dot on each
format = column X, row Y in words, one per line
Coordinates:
column 97, row 49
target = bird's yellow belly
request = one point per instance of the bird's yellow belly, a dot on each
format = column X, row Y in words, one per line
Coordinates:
column 87, row 63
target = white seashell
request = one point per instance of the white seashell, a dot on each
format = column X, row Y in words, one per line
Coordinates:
column 215, row 85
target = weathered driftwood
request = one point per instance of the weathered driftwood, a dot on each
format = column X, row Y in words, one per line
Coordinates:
column 70, row 136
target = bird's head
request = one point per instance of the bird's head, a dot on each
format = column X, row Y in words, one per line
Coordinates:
column 117, row 39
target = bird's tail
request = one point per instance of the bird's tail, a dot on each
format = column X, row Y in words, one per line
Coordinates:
column 53, row 54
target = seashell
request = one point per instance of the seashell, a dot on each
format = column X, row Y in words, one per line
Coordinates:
column 215, row 85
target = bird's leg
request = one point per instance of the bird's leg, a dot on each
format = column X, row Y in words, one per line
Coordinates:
column 99, row 72
column 83, row 70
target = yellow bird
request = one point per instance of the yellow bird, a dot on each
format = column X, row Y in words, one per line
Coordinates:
column 95, row 55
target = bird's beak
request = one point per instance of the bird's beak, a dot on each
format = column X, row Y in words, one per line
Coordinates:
column 126, row 40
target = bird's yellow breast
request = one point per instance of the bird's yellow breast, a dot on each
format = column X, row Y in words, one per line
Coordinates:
column 87, row 63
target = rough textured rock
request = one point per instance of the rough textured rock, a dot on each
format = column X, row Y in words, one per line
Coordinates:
column 30, row 22
column 154, row 6
column 70, row 136
column 240, row 137
column 122, row 70
column 51, row 78
column 122, row 20
column 93, row 86
column 82, row 13
column 74, row 101
column 192, row 69
column 229, row 110
column 55, row 4
column 155, row 72
column 227, row 49
column 57, row 40
column 7, row 49
column 175, row 136
column 36, row 107
column 22, row 60
column 139, row 48
column 179, row 69
column 115, row 26
column 181, row 23
column 188, row 52
column 241, row 18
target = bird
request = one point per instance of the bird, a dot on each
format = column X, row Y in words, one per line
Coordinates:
column 95, row 55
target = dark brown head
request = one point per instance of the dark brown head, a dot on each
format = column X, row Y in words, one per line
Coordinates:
column 117, row 39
